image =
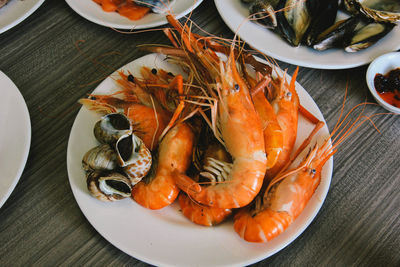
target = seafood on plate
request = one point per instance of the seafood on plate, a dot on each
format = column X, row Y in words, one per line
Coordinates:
column 135, row 9
column 220, row 135
column 314, row 23
column 150, row 108
column 118, row 163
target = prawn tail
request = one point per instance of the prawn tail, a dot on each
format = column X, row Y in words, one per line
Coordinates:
column 261, row 227
column 201, row 214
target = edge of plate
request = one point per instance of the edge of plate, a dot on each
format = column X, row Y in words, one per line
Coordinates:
column 23, row 17
column 27, row 147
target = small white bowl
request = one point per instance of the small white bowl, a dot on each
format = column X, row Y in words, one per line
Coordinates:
column 382, row 65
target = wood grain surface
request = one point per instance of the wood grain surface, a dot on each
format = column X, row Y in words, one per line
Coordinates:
column 53, row 59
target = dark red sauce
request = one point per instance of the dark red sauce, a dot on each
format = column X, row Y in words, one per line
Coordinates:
column 388, row 87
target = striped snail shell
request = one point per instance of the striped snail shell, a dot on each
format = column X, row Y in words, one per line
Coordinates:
column 108, row 186
column 111, row 127
column 102, row 157
column 134, row 157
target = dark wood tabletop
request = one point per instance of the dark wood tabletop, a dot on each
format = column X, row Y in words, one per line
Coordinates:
column 53, row 57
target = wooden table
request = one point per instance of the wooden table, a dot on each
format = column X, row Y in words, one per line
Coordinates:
column 41, row 224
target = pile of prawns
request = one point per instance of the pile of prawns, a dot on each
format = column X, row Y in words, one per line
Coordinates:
column 222, row 139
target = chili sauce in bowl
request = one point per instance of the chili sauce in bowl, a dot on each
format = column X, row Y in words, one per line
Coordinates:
column 383, row 80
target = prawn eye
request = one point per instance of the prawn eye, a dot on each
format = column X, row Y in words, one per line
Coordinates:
column 236, row 87
column 289, row 94
column 131, row 78
column 154, row 71
column 313, row 171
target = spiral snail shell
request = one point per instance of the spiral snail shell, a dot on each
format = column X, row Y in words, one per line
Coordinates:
column 108, row 186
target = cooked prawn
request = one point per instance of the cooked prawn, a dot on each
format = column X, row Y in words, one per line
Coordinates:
column 285, row 102
column 289, row 192
column 273, row 135
column 241, row 132
column 234, row 121
column 158, row 189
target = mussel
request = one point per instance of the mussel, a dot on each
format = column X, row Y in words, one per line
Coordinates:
column 157, row 6
column 323, row 15
column 108, row 186
column 293, row 21
column 378, row 10
column 111, row 127
column 368, row 35
column 263, row 12
column 134, row 157
column 337, row 35
column 102, row 157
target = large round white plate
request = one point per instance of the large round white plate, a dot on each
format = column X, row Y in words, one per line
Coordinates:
column 15, row 136
column 93, row 12
column 16, row 11
column 235, row 14
column 165, row 237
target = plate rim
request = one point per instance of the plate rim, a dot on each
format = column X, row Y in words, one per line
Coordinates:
column 146, row 259
column 21, row 18
column 25, row 150
column 299, row 62
column 133, row 27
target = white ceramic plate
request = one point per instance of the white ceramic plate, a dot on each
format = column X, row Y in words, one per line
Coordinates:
column 165, row 237
column 16, row 11
column 93, row 12
column 235, row 14
column 15, row 136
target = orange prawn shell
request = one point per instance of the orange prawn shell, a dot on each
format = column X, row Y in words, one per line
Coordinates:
column 287, row 114
column 242, row 133
column 149, row 123
column 273, row 136
column 200, row 214
column 284, row 203
column 175, row 151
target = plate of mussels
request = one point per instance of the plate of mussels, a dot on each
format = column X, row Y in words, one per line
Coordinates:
column 331, row 34
column 132, row 14
column 165, row 237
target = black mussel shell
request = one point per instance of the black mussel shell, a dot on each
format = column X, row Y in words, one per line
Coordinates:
column 264, row 13
column 323, row 15
column 368, row 35
column 294, row 21
column 337, row 35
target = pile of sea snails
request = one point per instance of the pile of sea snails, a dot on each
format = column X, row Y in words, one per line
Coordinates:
column 119, row 162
